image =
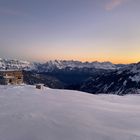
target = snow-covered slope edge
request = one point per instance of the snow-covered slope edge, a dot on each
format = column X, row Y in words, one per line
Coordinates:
column 122, row 81
column 31, row 114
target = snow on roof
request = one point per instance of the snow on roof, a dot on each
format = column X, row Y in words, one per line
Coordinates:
column 10, row 70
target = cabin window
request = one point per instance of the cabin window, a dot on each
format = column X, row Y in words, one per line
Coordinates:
column 10, row 81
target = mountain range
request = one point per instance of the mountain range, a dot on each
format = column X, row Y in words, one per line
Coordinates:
column 93, row 77
column 56, row 64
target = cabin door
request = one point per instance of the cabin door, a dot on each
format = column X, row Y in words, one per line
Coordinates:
column 10, row 81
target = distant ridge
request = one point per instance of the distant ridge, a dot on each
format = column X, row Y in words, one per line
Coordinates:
column 55, row 64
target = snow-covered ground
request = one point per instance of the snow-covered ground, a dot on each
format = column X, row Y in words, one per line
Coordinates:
column 27, row 113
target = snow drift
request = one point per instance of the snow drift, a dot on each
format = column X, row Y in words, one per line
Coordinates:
column 27, row 113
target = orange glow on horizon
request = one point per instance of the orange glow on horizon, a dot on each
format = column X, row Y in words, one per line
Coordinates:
column 114, row 61
column 117, row 53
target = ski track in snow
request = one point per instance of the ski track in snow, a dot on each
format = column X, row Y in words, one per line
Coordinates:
column 27, row 113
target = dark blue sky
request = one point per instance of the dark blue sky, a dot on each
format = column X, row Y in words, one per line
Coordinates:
column 87, row 30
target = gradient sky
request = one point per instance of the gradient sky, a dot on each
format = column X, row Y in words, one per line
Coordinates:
column 86, row 30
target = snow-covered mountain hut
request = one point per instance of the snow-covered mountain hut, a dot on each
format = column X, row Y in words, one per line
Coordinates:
column 11, row 77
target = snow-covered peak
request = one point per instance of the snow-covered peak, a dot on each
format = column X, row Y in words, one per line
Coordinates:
column 135, row 68
column 55, row 64
column 14, row 64
column 62, row 64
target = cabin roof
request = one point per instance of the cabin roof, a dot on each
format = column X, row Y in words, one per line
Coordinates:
column 10, row 70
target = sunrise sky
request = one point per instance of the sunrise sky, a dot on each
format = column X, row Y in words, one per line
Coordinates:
column 85, row 30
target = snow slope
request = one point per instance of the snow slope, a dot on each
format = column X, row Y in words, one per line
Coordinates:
column 30, row 114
